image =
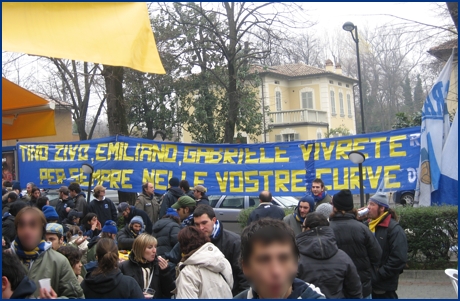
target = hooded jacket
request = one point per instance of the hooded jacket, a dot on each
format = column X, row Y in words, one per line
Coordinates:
column 266, row 210
column 6, row 207
column 25, row 289
column 294, row 220
column 8, row 228
column 61, row 207
column 324, row 265
column 105, row 210
column 80, row 203
column 203, row 201
column 169, row 198
column 300, row 290
column 125, row 239
column 392, row 239
column 148, row 204
column 355, row 239
column 162, row 280
column 166, row 231
column 112, row 285
column 133, row 211
column 206, row 274
column 53, row 265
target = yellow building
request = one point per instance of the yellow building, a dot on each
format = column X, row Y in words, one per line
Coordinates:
column 63, row 123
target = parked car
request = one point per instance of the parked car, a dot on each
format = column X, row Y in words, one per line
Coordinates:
column 404, row 197
column 227, row 207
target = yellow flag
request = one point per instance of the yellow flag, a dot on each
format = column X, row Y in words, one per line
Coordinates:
column 116, row 34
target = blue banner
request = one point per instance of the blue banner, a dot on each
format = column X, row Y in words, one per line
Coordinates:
column 124, row 163
column 391, row 161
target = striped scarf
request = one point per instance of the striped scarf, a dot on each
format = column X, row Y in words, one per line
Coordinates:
column 374, row 222
column 188, row 221
column 216, row 230
column 28, row 256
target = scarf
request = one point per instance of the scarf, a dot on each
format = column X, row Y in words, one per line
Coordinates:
column 216, row 230
column 5, row 216
column 28, row 257
column 373, row 223
column 320, row 197
column 297, row 216
column 188, row 221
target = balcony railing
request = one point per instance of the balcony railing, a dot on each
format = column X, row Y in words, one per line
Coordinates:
column 297, row 116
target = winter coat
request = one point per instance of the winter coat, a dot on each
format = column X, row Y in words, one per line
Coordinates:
column 355, row 239
column 162, row 281
column 293, row 223
column 203, row 201
column 392, row 239
column 61, row 207
column 89, row 233
column 327, row 200
column 112, row 285
column 80, row 203
column 25, row 289
column 206, row 274
column 169, row 198
column 166, row 231
column 266, row 210
column 300, row 290
column 6, row 207
column 52, row 264
column 150, row 205
column 91, row 254
column 105, row 210
column 190, row 194
column 324, row 265
column 8, row 228
column 137, row 212
column 125, row 239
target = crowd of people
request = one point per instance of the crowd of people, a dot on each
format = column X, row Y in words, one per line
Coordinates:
column 174, row 246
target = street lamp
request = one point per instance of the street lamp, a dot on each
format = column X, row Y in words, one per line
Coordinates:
column 358, row 158
column 88, row 169
column 348, row 26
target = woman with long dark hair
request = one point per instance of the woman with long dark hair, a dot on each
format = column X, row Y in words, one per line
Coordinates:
column 107, row 281
column 90, row 226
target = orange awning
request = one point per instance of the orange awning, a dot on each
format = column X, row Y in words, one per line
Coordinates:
column 24, row 114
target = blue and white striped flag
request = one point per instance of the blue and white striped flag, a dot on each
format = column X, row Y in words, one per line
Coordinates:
column 434, row 132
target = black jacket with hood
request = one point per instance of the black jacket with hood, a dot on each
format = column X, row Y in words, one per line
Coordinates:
column 324, row 265
column 133, row 211
column 113, row 285
column 80, row 203
column 355, row 239
column 162, row 281
column 125, row 239
column 169, row 198
column 8, row 228
column 266, row 210
column 203, row 201
column 25, row 289
column 61, row 207
column 300, row 290
column 105, row 210
column 166, row 231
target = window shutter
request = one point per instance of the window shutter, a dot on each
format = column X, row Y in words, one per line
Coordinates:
column 277, row 138
column 310, row 100
column 296, row 137
column 304, row 100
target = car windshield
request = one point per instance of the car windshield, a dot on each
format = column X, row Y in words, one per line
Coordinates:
column 287, row 201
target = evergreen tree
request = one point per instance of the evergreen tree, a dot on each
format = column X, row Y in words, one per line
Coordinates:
column 419, row 96
column 407, row 93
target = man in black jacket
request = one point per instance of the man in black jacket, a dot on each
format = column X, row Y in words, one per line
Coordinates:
column 103, row 207
column 383, row 222
column 129, row 212
column 266, row 209
column 355, row 239
column 171, row 196
column 65, row 203
column 199, row 193
column 227, row 242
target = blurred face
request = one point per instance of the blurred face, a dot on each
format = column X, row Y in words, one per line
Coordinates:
column 93, row 220
column 101, row 194
column 54, row 240
column 73, row 193
column 126, row 212
column 374, row 210
column 272, row 269
column 150, row 189
column 304, row 209
column 316, row 188
column 77, row 268
column 205, row 224
column 76, row 220
column 36, row 194
column 183, row 213
column 150, row 253
column 29, row 189
column 136, row 227
column 30, row 230
column 196, row 194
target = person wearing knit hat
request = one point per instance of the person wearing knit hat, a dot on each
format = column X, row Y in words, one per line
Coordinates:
column 128, row 234
column 110, row 227
column 55, row 235
column 355, row 239
column 50, row 214
column 324, row 209
column 295, row 220
column 383, row 223
column 171, row 196
column 109, row 230
column 129, row 212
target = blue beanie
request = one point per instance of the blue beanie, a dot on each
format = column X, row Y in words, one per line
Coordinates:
column 17, row 186
column 110, row 227
column 50, row 213
column 172, row 212
column 174, row 182
column 309, row 199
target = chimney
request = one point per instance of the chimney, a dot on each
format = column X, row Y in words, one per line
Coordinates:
column 338, row 68
column 329, row 65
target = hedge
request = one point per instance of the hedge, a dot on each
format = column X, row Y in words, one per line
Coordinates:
column 432, row 234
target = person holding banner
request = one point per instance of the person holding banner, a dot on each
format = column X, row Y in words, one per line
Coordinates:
column 319, row 193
